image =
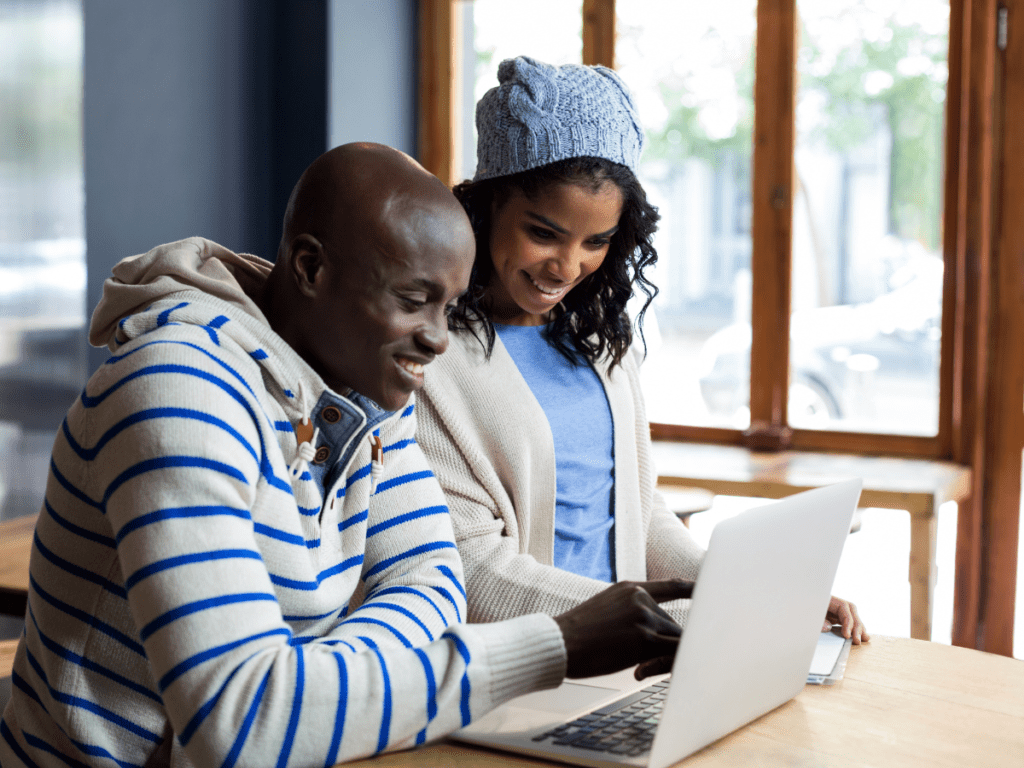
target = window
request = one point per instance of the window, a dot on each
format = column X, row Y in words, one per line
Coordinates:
column 691, row 70
column 42, row 247
column 489, row 35
column 852, row 268
column 866, row 287
column 864, row 199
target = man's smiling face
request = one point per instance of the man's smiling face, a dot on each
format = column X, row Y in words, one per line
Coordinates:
column 383, row 315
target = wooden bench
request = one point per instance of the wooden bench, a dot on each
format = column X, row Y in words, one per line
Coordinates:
column 15, row 548
column 919, row 486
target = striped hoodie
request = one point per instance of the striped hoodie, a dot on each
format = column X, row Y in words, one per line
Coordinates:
column 194, row 603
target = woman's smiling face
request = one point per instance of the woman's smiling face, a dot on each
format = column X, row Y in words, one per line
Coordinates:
column 543, row 247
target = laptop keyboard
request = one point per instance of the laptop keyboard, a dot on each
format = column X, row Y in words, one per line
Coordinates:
column 624, row 727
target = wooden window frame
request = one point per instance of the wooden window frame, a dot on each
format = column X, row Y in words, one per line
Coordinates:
column 981, row 376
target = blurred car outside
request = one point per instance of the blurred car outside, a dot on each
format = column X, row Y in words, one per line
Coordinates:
column 869, row 367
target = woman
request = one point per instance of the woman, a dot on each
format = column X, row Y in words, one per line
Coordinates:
column 533, row 419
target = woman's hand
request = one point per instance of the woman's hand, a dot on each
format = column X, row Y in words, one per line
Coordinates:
column 844, row 613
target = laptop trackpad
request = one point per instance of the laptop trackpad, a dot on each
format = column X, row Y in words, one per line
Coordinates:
column 565, row 699
column 542, row 709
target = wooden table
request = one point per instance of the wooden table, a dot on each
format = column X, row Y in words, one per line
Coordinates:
column 916, row 485
column 15, row 548
column 902, row 703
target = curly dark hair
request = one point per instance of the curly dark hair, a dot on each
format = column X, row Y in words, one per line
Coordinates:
column 592, row 319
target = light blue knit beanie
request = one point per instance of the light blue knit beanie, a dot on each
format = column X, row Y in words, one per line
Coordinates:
column 539, row 114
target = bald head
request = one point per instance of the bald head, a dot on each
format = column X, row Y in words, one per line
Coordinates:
column 374, row 250
column 361, row 187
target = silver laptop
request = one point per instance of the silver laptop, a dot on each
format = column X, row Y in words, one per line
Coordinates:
column 753, row 627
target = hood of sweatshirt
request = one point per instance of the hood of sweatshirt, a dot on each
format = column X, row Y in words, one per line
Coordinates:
column 198, row 282
column 194, row 264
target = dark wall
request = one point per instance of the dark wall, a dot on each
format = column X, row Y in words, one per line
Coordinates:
column 201, row 114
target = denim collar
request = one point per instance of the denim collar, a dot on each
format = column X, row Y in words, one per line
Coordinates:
column 348, row 420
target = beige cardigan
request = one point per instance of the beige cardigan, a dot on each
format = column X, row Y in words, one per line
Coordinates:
column 489, row 443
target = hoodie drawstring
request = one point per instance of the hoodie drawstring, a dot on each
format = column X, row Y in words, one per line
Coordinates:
column 376, row 459
column 305, row 450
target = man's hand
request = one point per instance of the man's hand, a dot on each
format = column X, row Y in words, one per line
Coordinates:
column 844, row 613
column 621, row 626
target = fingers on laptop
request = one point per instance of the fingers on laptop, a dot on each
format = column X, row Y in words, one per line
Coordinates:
column 844, row 613
column 668, row 589
column 617, row 628
column 659, row 666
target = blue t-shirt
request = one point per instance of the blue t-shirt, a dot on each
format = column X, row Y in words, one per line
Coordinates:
column 576, row 406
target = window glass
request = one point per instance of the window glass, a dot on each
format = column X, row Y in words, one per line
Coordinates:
column 494, row 30
column 42, row 269
column 691, row 68
column 867, row 216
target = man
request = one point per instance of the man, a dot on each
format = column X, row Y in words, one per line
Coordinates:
column 243, row 557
